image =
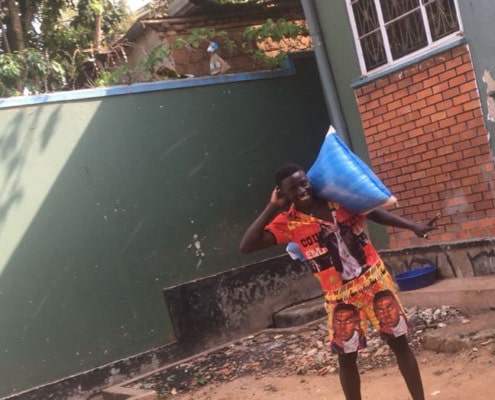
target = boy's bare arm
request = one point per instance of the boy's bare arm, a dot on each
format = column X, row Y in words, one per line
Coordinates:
column 256, row 237
column 384, row 217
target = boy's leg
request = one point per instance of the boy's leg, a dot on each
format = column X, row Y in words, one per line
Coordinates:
column 349, row 376
column 408, row 366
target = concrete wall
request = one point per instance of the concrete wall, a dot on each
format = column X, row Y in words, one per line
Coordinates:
column 107, row 193
column 239, row 302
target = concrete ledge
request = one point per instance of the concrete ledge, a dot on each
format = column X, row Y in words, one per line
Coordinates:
column 472, row 295
column 300, row 314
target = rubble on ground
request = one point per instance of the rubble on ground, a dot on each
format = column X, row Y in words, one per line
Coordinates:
column 284, row 352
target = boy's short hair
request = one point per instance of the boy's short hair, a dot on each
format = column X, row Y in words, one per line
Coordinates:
column 285, row 171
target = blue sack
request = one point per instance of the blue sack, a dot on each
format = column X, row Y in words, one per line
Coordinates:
column 341, row 176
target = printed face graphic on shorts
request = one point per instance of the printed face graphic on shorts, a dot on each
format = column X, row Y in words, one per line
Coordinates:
column 389, row 313
column 347, row 337
column 344, row 323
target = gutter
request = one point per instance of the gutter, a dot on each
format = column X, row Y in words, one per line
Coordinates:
column 327, row 79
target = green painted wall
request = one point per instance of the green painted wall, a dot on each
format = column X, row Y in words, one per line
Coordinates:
column 101, row 199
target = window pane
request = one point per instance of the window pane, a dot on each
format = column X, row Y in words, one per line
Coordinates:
column 442, row 18
column 365, row 16
column 406, row 35
column 373, row 50
column 392, row 9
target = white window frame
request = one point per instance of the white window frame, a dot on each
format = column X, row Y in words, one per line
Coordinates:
column 390, row 61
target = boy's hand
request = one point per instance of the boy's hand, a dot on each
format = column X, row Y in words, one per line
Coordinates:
column 277, row 199
column 422, row 229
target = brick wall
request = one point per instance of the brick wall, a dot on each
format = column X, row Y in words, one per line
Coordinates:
column 428, row 143
column 195, row 61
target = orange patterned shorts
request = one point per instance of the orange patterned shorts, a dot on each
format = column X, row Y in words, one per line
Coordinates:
column 370, row 297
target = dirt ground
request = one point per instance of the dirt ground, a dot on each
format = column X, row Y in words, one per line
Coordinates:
column 468, row 374
column 455, row 352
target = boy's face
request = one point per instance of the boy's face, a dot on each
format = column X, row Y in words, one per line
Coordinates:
column 297, row 189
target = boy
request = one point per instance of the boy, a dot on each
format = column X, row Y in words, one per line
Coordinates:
column 342, row 258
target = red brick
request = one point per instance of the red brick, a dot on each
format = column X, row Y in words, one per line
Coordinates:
column 438, row 116
column 468, row 87
column 465, row 116
column 438, row 161
column 472, row 105
column 453, row 92
column 480, row 141
column 380, row 110
column 460, row 127
column 447, row 75
column 475, row 123
column 445, row 150
column 436, row 70
column 412, row 116
column 394, row 105
column 463, row 69
column 417, row 88
column 420, row 77
column 435, row 98
column 461, row 99
column 383, row 82
column 466, row 162
column 391, row 88
column 368, row 88
column 454, row 110
column 396, row 124
column 417, row 105
column 444, row 105
column 385, row 99
column 455, row 62
column 423, row 94
column 448, row 122
column 377, row 94
column 460, row 51
column 434, row 80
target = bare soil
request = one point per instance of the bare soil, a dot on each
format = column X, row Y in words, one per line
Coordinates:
column 456, row 354
column 465, row 375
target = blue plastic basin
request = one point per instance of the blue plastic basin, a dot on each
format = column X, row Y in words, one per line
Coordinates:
column 417, row 278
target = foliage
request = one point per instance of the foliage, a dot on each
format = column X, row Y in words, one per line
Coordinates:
column 156, row 56
column 281, row 31
column 29, row 71
column 63, row 46
column 197, row 36
column 56, row 35
column 114, row 77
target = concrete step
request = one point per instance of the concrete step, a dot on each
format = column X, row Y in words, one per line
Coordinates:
column 473, row 295
column 300, row 314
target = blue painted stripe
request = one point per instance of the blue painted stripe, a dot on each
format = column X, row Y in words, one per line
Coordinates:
column 288, row 69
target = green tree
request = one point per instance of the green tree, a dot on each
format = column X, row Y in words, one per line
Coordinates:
column 41, row 37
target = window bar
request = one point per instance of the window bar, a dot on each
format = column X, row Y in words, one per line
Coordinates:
column 426, row 22
column 357, row 39
column 386, row 43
